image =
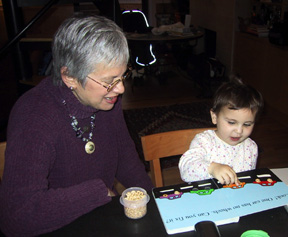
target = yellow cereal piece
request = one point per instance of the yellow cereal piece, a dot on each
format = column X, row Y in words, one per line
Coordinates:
column 134, row 195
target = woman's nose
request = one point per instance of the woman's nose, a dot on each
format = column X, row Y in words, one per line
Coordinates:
column 119, row 88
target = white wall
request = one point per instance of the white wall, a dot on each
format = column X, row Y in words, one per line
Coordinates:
column 219, row 16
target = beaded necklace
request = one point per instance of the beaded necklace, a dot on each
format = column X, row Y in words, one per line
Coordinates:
column 89, row 146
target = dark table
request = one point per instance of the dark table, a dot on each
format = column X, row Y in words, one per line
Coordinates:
column 110, row 220
column 150, row 38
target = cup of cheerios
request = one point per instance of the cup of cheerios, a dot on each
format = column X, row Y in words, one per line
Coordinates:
column 135, row 201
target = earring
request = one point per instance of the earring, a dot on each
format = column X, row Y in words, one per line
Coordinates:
column 71, row 88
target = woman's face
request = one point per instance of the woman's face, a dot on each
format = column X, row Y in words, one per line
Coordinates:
column 94, row 94
column 233, row 126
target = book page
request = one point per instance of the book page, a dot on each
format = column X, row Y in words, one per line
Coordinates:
column 182, row 206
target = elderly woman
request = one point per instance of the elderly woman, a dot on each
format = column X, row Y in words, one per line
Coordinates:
column 67, row 140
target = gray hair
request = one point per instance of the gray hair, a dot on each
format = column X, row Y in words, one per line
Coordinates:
column 82, row 43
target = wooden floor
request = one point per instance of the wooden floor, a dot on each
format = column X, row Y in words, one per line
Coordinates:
column 270, row 134
column 177, row 88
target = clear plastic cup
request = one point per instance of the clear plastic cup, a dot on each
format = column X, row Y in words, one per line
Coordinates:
column 135, row 201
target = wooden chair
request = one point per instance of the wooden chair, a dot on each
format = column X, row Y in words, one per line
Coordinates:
column 2, row 156
column 166, row 144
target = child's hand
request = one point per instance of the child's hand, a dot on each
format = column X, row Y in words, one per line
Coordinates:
column 224, row 173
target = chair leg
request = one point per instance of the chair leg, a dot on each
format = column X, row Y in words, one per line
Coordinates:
column 156, row 173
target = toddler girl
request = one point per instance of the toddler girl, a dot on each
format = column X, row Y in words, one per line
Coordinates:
column 228, row 149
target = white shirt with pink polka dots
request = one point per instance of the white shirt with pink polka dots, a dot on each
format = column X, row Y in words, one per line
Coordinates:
column 207, row 147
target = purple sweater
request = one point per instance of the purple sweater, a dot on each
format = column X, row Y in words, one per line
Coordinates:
column 49, row 179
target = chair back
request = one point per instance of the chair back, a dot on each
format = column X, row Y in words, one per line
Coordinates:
column 2, row 156
column 134, row 21
column 166, row 144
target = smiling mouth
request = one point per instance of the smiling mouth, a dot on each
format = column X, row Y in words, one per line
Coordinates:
column 111, row 100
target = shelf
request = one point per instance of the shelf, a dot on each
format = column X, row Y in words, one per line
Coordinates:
column 280, row 5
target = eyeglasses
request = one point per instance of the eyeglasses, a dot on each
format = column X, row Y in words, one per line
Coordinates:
column 114, row 83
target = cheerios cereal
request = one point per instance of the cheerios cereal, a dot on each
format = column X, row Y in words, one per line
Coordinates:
column 135, row 204
column 135, row 213
column 134, row 195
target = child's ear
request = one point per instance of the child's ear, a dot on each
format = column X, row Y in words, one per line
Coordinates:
column 213, row 117
column 70, row 82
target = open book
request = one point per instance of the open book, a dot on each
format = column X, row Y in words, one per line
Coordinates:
column 184, row 205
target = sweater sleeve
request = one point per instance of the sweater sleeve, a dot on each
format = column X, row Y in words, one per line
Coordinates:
column 29, row 206
column 131, row 171
column 193, row 164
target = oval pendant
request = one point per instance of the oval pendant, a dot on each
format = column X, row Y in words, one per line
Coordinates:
column 89, row 147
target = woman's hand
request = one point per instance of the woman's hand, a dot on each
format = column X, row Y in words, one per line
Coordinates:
column 110, row 193
column 224, row 173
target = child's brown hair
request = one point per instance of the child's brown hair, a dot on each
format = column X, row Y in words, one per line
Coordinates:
column 236, row 95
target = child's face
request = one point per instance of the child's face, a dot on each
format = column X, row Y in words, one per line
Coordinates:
column 233, row 126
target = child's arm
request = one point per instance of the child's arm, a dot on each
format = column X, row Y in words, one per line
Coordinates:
column 193, row 164
column 197, row 163
column 224, row 173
